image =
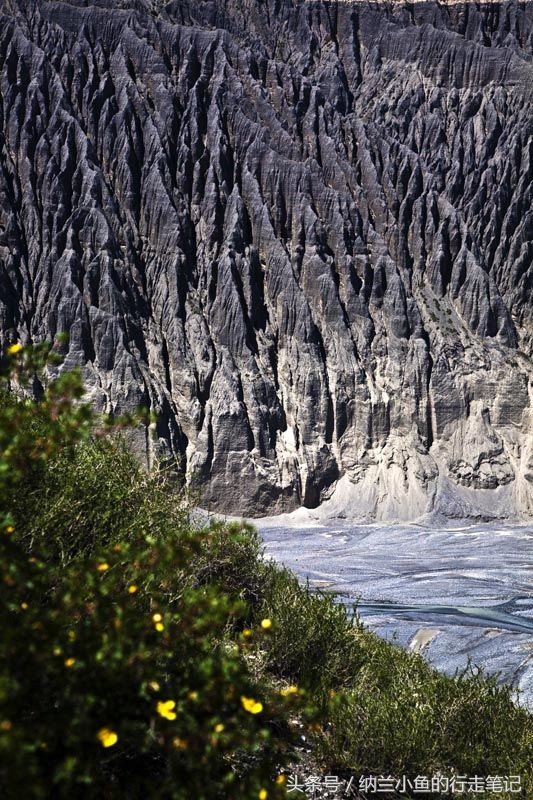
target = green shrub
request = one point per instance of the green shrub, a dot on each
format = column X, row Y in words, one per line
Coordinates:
column 313, row 641
column 422, row 723
column 382, row 710
column 230, row 555
column 93, row 651
column 95, row 494
column 117, row 675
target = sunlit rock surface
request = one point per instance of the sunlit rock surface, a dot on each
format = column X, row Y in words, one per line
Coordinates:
column 302, row 232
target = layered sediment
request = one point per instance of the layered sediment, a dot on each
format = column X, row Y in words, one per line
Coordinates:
column 302, row 232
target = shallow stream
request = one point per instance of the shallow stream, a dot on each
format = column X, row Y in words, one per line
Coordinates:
column 452, row 593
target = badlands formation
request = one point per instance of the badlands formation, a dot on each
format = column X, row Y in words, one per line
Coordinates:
column 302, row 232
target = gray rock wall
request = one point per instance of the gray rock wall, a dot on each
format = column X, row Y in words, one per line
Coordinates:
column 300, row 231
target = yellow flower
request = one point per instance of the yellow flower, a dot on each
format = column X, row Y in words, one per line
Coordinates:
column 247, row 632
column 219, row 728
column 24, row 606
column 14, row 349
column 107, row 737
column 157, row 618
column 266, row 624
column 288, row 691
column 251, row 705
column 132, row 589
column 154, row 685
column 281, row 780
column 10, row 529
column 159, row 627
column 181, row 744
column 165, row 709
column 102, row 567
column 192, row 695
column 263, row 794
column 69, row 662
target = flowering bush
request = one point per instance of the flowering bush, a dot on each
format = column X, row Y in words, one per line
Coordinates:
column 121, row 675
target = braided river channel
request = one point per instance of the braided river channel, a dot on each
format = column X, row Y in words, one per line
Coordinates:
column 454, row 593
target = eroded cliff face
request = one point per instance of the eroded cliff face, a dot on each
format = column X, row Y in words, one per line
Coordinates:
column 300, row 231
